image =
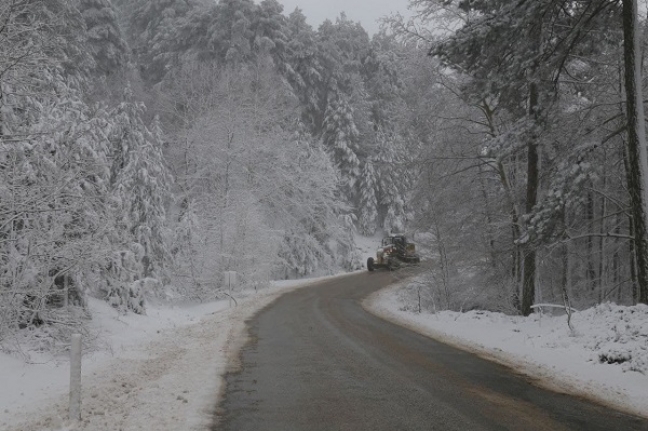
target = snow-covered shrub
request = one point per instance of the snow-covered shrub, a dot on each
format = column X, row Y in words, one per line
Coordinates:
column 122, row 287
column 619, row 334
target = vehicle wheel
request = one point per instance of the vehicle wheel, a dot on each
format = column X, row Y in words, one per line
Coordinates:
column 390, row 265
column 370, row 264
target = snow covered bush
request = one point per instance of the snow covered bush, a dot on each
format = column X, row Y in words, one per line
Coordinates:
column 122, row 287
column 619, row 336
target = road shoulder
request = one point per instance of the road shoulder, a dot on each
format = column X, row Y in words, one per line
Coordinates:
column 623, row 391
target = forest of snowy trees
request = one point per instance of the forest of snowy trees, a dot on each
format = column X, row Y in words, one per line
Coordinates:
column 148, row 146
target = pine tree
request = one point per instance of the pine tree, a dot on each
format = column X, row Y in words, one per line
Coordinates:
column 393, row 182
column 140, row 184
column 368, row 205
column 104, row 37
column 154, row 33
column 382, row 71
column 269, row 27
column 302, row 70
column 342, row 138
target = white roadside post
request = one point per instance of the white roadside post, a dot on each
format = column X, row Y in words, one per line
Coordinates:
column 75, row 377
column 229, row 278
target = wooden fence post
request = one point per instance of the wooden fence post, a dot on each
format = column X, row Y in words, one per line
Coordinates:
column 75, row 377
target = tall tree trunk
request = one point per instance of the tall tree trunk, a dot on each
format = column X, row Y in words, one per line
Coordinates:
column 590, row 273
column 533, row 180
column 566, row 281
column 637, row 151
column 515, row 220
column 443, row 260
column 616, row 260
column 602, row 273
column 489, row 219
column 633, row 263
column 631, row 232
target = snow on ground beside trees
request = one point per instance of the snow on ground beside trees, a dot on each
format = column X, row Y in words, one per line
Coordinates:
column 155, row 372
column 604, row 358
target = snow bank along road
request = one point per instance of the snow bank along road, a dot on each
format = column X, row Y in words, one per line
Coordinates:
column 167, row 381
column 316, row 360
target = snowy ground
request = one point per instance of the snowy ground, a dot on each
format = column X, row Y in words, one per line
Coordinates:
column 604, row 358
column 156, row 372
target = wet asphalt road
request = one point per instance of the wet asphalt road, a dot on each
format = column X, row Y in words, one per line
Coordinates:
column 317, row 361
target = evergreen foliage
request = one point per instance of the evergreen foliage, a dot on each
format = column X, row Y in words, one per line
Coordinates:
column 103, row 36
column 140, row 185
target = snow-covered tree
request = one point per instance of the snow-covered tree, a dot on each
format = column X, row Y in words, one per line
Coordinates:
column 368, row 202
column 154, row 33
column 342, row 138
column 257, row 175
column 53, row 168
column 140, row 184
column 513, row 51
column 104, row 37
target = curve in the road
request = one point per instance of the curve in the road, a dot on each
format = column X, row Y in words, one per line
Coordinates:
column 316, row 360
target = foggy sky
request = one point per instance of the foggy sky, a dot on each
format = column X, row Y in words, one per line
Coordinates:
column 365, row 11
